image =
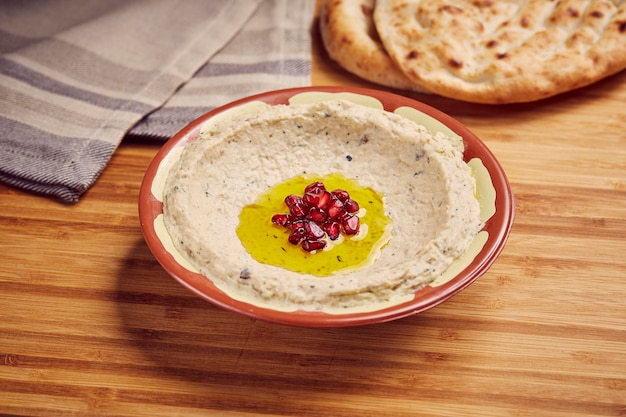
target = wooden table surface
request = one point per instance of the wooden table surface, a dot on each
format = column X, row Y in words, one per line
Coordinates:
column 91, row 325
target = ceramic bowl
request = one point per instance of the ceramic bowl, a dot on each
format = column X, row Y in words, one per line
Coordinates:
column 497, row 208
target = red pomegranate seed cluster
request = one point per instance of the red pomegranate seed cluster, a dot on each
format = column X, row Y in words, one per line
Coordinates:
column 319, row 213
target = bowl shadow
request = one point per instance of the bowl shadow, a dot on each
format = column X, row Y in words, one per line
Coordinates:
column 179, row 336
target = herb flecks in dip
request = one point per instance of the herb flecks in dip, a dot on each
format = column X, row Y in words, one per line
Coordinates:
column 428, row 194
column 269, row 243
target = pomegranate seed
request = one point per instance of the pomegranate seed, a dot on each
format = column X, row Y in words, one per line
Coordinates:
column 296, row 224
column 351, row 205
column 351, row 225
column 335, row 209
column 332, row 229
column 311, row 245
column 292, row 199
column 298, row 210
column 297, row 235
column 342, row 195
column 316, row 215
column 281, row 219
column 311, row 199
column 324, row 200
column 314, row 231
column 317, row 198
column 315, row 188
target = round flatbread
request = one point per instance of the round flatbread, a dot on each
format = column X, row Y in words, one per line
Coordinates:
column 503, row 51
column 350, row 38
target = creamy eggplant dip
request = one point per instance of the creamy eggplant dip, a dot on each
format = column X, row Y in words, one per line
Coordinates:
column 428, row 193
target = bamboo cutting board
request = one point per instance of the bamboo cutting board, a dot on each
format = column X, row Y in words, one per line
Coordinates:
column 91, row 325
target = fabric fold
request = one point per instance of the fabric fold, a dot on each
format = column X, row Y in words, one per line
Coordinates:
column 74, row 80
column 272, row 51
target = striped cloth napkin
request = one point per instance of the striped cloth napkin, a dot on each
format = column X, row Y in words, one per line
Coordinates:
column 77, row 76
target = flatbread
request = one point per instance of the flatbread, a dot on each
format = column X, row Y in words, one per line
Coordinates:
column 503, row 51
column 350, row 38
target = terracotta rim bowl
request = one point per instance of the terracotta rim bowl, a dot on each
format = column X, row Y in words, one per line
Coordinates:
column 498, row 226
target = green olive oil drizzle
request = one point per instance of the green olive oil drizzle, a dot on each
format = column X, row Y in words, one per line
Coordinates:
column 267, row 242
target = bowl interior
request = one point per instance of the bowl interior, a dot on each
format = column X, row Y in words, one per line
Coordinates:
column 493, row 236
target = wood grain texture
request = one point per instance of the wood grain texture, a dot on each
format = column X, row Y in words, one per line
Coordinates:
column 91, row 325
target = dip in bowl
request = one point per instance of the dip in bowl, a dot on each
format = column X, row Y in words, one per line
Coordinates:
column 434, row 206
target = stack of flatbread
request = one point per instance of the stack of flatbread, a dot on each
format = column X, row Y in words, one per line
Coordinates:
column 483, row 51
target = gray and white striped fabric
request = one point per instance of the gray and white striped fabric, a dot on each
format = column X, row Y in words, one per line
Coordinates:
column 77, row 76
